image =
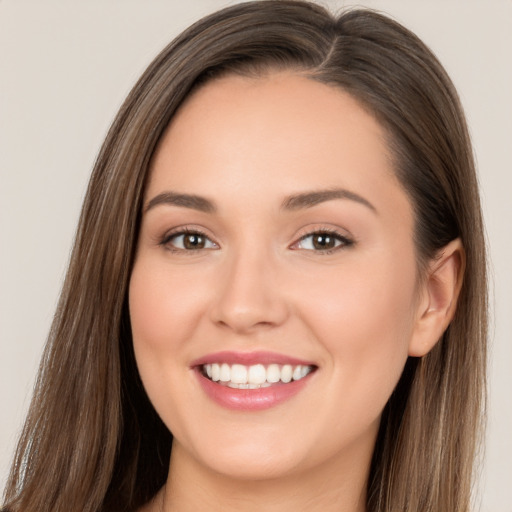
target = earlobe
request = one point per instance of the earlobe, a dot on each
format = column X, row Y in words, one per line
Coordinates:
column 441, row 288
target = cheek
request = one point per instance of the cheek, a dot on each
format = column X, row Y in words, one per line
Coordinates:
column 164, row 307
column 164, row 310
column 363, row 315
column 358, row 299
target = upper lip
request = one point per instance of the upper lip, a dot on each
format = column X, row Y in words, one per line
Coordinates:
column 249, row 358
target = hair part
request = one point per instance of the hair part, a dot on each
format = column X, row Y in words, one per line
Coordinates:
column 92, row 440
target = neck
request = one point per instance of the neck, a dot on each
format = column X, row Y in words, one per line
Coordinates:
column 332, row 487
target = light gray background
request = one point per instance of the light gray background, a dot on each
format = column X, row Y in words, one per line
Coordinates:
column 65, row 67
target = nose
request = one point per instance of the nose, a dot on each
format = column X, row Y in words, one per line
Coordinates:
column 249, row 295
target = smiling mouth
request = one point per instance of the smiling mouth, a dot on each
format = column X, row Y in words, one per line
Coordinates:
column 257, row 376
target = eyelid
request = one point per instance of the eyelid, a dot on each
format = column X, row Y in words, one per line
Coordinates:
column 340, row 235
column 185, row 230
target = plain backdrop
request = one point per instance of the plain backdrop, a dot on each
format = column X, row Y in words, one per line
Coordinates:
column 66, row 66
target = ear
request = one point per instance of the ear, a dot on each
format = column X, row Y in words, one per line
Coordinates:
column 438, row 299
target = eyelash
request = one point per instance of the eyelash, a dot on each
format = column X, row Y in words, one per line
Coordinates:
column 345, row 242
column 168, row 237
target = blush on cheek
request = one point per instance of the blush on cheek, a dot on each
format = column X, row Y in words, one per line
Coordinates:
column 145, row 315
column 155, row 312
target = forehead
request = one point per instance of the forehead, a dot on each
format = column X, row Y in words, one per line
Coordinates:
column 271, row 136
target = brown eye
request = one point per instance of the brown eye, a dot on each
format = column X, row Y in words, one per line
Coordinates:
column 193, row 241
column 188, row 241
column 323, row 241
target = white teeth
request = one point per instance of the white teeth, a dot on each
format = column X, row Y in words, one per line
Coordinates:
column 254, row 376
column 274, row 373
column 238, row 374
column 257, row 374
column 286, row 373
column 225, row 373
column 239, row 385
column 215, row 372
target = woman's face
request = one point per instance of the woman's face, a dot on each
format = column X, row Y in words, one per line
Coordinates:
column 276, row 244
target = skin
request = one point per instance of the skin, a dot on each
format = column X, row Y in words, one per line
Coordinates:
column 357, row 312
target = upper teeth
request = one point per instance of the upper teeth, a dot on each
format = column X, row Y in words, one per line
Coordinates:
column 254, row 376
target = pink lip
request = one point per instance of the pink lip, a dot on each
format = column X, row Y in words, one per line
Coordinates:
column 249, row 358
column 249, row 399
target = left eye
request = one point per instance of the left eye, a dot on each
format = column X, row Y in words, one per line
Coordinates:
column 322, row 241
column 189, row 241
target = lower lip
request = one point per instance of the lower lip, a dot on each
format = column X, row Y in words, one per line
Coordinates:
column 250, row 399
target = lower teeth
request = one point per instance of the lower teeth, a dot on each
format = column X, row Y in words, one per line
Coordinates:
column 245, row 386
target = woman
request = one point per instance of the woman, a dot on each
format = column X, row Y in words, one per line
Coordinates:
column 280, row 260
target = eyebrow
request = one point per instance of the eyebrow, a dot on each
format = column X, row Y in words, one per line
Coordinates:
column 291, row 203
column 184, row 200
column 310, row 199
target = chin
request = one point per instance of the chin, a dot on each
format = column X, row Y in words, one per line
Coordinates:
column 253, row 467
column 239, row 457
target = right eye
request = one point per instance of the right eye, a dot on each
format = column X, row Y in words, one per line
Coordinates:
column 188, row 241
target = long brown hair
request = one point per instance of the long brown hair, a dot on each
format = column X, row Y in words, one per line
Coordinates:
column 92, row 440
